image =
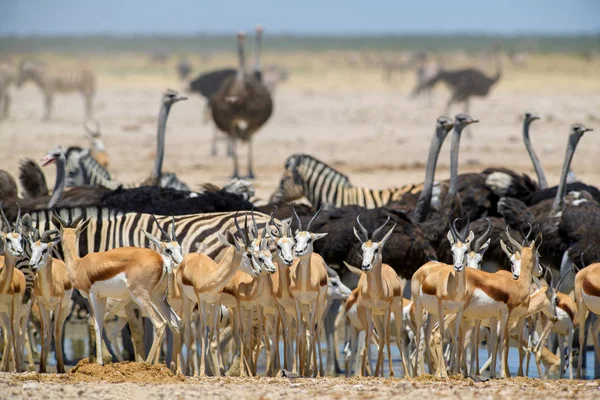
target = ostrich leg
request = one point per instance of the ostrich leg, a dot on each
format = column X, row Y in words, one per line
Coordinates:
column 467, row 109
column 234, row 157
column 250, row 160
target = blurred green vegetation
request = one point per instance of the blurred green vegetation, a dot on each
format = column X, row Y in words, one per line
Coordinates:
column 203, row 43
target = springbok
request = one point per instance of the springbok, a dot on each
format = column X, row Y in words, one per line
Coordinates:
column 587, row 297
column 441, row 288
column 12, row 290
column 52, row 289
column 381, row 293
column 308, row 284
column 122, row 273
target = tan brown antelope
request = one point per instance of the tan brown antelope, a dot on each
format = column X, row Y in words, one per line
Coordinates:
column 381, row 292
column 441, row 288
column 308, row 285
column 123, row 273
column 52, row 289
column 587, row 297
column 202, row 281
column 12, row 290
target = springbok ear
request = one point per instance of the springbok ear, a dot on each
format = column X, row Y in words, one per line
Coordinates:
column 450, row 238
column 484, row 247
column 82, row 226
column 152, row 238
column 55, row 241
column 223, row 240
column 505, row 249
column 356, row 234
column 538, row 241
column 317, row 236
column 264, row 244
column 354, row 270
column 387, row 236
column 470, row 237
column 297, row 231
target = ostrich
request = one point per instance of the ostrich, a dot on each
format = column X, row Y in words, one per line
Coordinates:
column 241, row 107
column 184, row 69
column 463, row 83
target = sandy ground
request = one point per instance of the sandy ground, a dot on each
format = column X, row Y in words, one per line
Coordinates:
column 142, row 381
column 368, row 129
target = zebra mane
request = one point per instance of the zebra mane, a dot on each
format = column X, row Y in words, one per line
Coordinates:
column 307, row 158
column 35, row 62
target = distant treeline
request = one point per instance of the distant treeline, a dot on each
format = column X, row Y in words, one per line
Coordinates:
column 216, row 43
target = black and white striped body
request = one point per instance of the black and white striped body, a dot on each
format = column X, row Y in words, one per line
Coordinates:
column 83, row 170
column 322, row 184
column 59, row 80
column 109, row 229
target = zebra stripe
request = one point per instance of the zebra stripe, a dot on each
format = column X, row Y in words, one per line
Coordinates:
column 82, row 169
column 109, row 228
column 321, row 184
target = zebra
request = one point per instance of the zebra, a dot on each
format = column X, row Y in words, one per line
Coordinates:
column 109, row 228
column 8, row 75
column 82, row 169
column 52, row 81
column 323, row 185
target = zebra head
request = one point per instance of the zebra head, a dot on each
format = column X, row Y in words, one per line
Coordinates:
column 41, row 249
column 304, row 237
column 372, row 250
column 28, row 69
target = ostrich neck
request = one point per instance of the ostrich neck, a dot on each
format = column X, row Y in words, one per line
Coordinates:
column 59, row 185
column 539, row 171
column 160, row 140
column 562, row 187
column 241, row 74
column 424, row 201
column 6, row 274
column 453, row 190
column 257, row 66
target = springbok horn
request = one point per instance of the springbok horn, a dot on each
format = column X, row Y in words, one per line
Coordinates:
column 548, row 272
column 160, row 228
column 582, row 259
column 61, row 221
column 376, row 232
column 254, row 226
column 562, row 278
column 452, row 231
column 4, row 218
column 173, row 234
column 526, row 236
column 363, row 230
column 482, row 239
column 246, row 234
column 78, row 219
column 237, row 226
column 18, row 220
column 505, row 249
column 513, row 241
column 465, row 231
column 313, row 218
column 297, row 218
column 46, row 236
column 279, row 234
column 458, row 234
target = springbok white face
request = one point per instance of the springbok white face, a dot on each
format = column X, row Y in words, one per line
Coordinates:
column 41, row 254
column 262, row 256
column 167, row 248
column 474, row 258
column 304, row 242
column 460, row 249
column 372, row 251
column 336, row 290
column 13, row 243
column 285, row 249
column 247, row 262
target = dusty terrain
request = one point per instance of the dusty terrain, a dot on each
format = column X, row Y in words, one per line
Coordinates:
column 142, row 381
column 345, row 115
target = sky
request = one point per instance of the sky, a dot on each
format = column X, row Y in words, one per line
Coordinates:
column 123, row 17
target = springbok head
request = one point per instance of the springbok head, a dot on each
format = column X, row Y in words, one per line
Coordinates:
column 336, row 290
column 241, row 245
column 304, row 237
column 475, row 256
column 460, row 241
column 41, row 248
column 284, row 240
column 516, row 253
column 370, row 246
column 169, row 246
column 12, row 238
column 259, row 245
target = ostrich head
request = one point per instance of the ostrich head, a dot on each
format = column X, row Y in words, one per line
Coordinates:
column 461, row 120
column 530, row 117
column 171, row 97
column 443, row 125
column 53, row 155
column 460, row 241
column 371, row 249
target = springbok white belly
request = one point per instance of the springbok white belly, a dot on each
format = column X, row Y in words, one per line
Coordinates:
column 564, row 321
column 188, row 291
column 430, row 303
column 592, row 302
column 483, row 306
column 352, row 315
column 115, row 287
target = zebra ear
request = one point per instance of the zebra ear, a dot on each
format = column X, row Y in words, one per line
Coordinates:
column 152, row 238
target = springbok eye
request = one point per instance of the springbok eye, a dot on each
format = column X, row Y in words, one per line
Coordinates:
column 334, row 284
column 44, row 251
column 376, row 250
column 168, row 251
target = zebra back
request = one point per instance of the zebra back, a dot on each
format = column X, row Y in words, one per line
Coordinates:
column 109, row 228
column 64, row 79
